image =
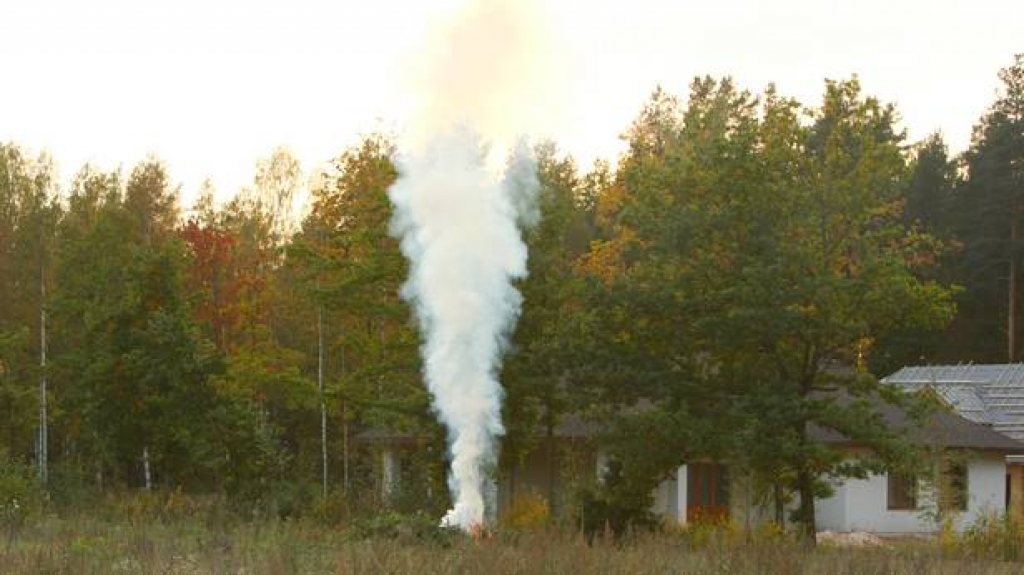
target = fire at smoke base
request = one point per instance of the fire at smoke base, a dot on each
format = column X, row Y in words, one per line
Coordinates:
column 460, row 228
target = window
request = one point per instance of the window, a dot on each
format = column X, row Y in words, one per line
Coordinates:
column 902, row 492
column 953, row 487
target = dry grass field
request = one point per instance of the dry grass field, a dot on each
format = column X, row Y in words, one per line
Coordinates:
column 85, row 544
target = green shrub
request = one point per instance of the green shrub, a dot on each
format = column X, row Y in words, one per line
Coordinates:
column 72, row 488
column 21, row 497
column 276, row 500
column 332, row 510
column 599, row 511
column 403, row 528
column 290, row 499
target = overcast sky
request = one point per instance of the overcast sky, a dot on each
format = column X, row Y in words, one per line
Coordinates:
column 210, row 86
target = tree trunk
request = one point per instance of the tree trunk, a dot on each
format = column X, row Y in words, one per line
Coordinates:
column 1011, row 327
column 344, row 447
column 805, row 513
column 43, row 429
column 550, row 440
column 344, row 430
column 805, row 477
column 320, row 384
column 148, row 477
column 780, row 507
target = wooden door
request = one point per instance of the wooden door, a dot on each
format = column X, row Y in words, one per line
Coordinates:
column 707, row 493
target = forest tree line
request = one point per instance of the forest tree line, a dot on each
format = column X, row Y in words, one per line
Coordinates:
column 746, row 257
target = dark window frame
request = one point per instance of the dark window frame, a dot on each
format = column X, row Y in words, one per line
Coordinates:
column 901, row 492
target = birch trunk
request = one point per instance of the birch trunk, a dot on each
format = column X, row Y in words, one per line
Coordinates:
column 43, row 429
column 145, row 469
column 320, row 384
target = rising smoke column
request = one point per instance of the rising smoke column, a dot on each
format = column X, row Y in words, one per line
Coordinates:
column 486, row 75
column 459, row 228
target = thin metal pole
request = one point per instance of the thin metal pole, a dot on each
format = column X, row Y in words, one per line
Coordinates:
column 1011, row 327
column 320, row 383
column 43, row 431
column 344, row 430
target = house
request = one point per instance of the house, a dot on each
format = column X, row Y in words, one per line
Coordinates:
column 989, row 394
column 971, row 482
column 969, row 478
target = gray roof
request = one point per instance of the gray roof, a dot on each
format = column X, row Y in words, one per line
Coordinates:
column 942, row 428
column 992, row 394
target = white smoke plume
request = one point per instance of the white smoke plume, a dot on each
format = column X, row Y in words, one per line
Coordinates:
column 460, row 228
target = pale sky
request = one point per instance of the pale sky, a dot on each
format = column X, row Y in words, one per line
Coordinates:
column 210, row 86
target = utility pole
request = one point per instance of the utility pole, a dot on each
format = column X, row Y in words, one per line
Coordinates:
column 344, row 431
column 43, row 430
column 320, row 384
column 147, row 474
column 1011, row 327
column 320, row 371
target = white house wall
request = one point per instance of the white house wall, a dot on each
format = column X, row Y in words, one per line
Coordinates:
column 670, row 498
column 986, row 480
column 666, row 499
column 830, row 512
column 864, row 507
column 682, row 484
column 861, row 504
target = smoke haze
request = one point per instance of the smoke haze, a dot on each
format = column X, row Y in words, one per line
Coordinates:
column 459, row 227
column 493, row 65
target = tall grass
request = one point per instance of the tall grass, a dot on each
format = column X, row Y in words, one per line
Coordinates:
column 212, row 543
column 169, row 532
